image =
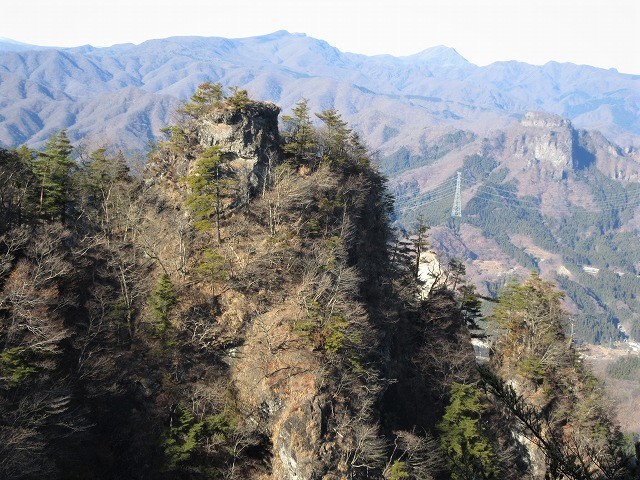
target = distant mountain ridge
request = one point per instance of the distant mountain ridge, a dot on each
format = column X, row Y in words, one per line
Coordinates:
column 123, row 94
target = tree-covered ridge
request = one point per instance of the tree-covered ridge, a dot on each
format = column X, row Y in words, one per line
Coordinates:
column 206, row 321
column 546, row 390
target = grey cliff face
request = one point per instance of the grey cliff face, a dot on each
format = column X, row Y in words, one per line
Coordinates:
column 547, row 145
column 248, row 137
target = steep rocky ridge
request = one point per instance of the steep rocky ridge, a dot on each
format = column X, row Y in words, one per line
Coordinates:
column 189, row 325
column 549, row 145
column 279, row 380
column 271, row 323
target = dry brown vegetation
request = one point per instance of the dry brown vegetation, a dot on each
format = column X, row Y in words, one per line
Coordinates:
column 280, row 334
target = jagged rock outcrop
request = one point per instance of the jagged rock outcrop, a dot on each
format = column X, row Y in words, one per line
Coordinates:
column 249, row 136
column 547, row 144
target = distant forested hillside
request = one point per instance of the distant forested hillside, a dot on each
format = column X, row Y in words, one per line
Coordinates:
column 125, row 93
column 539, row 196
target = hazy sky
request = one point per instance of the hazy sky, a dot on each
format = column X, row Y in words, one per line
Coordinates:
column 604, row 33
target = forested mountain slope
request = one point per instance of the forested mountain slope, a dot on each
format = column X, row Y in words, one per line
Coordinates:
column 540, row 195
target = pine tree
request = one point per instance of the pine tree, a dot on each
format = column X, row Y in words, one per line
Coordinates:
column 18, row 187
column 239, row 98
column 405, row 257
column 420, row 245
column 162, row 300
column 469, row 451
column 470, row 306
column 53, row 168
column 213, row 268
column 210, row 182
column 207, row 96
column 335, row 138
column 398, row 471
column 102, row 170
column 299, row 134
column 358, row 151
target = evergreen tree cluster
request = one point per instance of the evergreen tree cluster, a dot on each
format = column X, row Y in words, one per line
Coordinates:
column 540, row 383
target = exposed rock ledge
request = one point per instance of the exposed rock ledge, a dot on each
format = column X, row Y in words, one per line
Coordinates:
column 544, row 120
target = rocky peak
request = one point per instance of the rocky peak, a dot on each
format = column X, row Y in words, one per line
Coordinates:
column 546, row 144
column 249, row 136
column 243, row 129
column 544, row 120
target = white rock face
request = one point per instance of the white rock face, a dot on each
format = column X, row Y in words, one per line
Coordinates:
column 546, row 144
column 544, row 120
column 290, row 464
column 429, row 271
column 553, row 149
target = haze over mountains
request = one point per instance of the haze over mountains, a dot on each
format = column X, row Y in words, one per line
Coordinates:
column 125, row 93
